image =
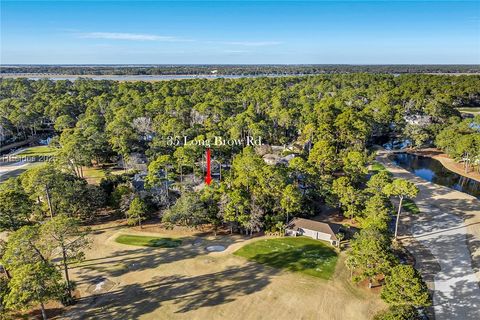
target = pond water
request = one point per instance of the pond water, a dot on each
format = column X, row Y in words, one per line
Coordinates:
column 433, row 171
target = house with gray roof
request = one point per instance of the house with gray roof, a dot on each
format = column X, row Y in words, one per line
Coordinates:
column 314, row 229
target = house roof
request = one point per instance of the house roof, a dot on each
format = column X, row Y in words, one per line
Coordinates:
column 272, row 158
column 328, row 228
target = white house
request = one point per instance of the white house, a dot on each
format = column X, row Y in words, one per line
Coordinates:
column 314, row 229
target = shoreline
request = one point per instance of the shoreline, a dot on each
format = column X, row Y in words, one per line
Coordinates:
column 199, row 75
column 136, row 78
column 446, row 161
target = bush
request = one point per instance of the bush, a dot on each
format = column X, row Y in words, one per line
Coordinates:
column 4, row 290
column 65, row 297
column 137, row 211
column 110, row 182
column 404, row 286
column 115, row 198
column 189, row 211
column 398, row 313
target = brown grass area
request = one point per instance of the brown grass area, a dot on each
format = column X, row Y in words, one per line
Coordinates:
column 456, row 167
column 187, row 282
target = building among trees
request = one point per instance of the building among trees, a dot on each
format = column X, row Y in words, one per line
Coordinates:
column 314, row 229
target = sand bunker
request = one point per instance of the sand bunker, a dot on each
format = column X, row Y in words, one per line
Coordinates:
column 100, row 285
column 215, row 248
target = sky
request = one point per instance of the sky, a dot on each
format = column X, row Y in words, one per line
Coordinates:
column 242, row 32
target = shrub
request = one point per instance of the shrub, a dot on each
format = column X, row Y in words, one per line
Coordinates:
column 398, row 313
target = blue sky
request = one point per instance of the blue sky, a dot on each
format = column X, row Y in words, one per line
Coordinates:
column 228, row 32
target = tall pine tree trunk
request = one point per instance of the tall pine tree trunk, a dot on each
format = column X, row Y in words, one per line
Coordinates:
column 398, row 216
column 65, row 268
column 44, row 313
column 7, row 274
column 47, row 192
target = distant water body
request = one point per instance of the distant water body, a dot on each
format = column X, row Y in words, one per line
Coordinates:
column 134, row 77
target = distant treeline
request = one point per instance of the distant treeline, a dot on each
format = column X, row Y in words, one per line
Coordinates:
column 233, row 69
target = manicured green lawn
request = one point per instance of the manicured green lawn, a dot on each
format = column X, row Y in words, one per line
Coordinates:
column 146, row 241
column 93, row 175
column 469, row 109
column 38, row 151
column 299, row 254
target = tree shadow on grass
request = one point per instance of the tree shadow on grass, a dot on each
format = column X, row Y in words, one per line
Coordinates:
column 124, row 261
column 133, row 258
column 148, row 241
column 186, row 292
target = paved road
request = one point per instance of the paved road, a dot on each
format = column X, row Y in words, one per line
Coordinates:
column 8, row 169
column 440, row 245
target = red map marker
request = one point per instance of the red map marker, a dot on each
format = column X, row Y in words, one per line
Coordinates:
column 208, row 177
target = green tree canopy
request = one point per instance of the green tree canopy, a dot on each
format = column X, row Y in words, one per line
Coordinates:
column 189, row 211
column 405, row 287
column 15, row 209
column 376, row 214
column 64, row 233
column 401, row 189
column 137, row 211
column 370, row 255
column 291, row 201
column 398, row 313
column 33, row 283
column 349, row 197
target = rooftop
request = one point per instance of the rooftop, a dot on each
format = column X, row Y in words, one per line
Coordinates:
column 328, row 228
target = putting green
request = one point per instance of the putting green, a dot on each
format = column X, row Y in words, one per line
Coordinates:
column 146, row 241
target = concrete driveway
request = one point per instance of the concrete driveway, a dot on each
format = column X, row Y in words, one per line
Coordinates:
column 444, row 238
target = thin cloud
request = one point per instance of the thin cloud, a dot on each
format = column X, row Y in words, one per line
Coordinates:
column 126, row 36
column 236, row 51
column 154, row 37
column 253, row 43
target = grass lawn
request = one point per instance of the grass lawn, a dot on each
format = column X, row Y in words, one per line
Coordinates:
column 410, row 206
column 377, row 167
column 93, row 175
column 145, row 241
column 38, row 151
column 299, row 254
column 469, row 110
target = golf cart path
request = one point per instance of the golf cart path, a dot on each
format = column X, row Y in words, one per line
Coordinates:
column 447, row 228
column 7, row 168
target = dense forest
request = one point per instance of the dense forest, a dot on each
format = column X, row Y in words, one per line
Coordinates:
column 233, row 69
column 281, row 110
column 326, row 128
column 329, row 123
